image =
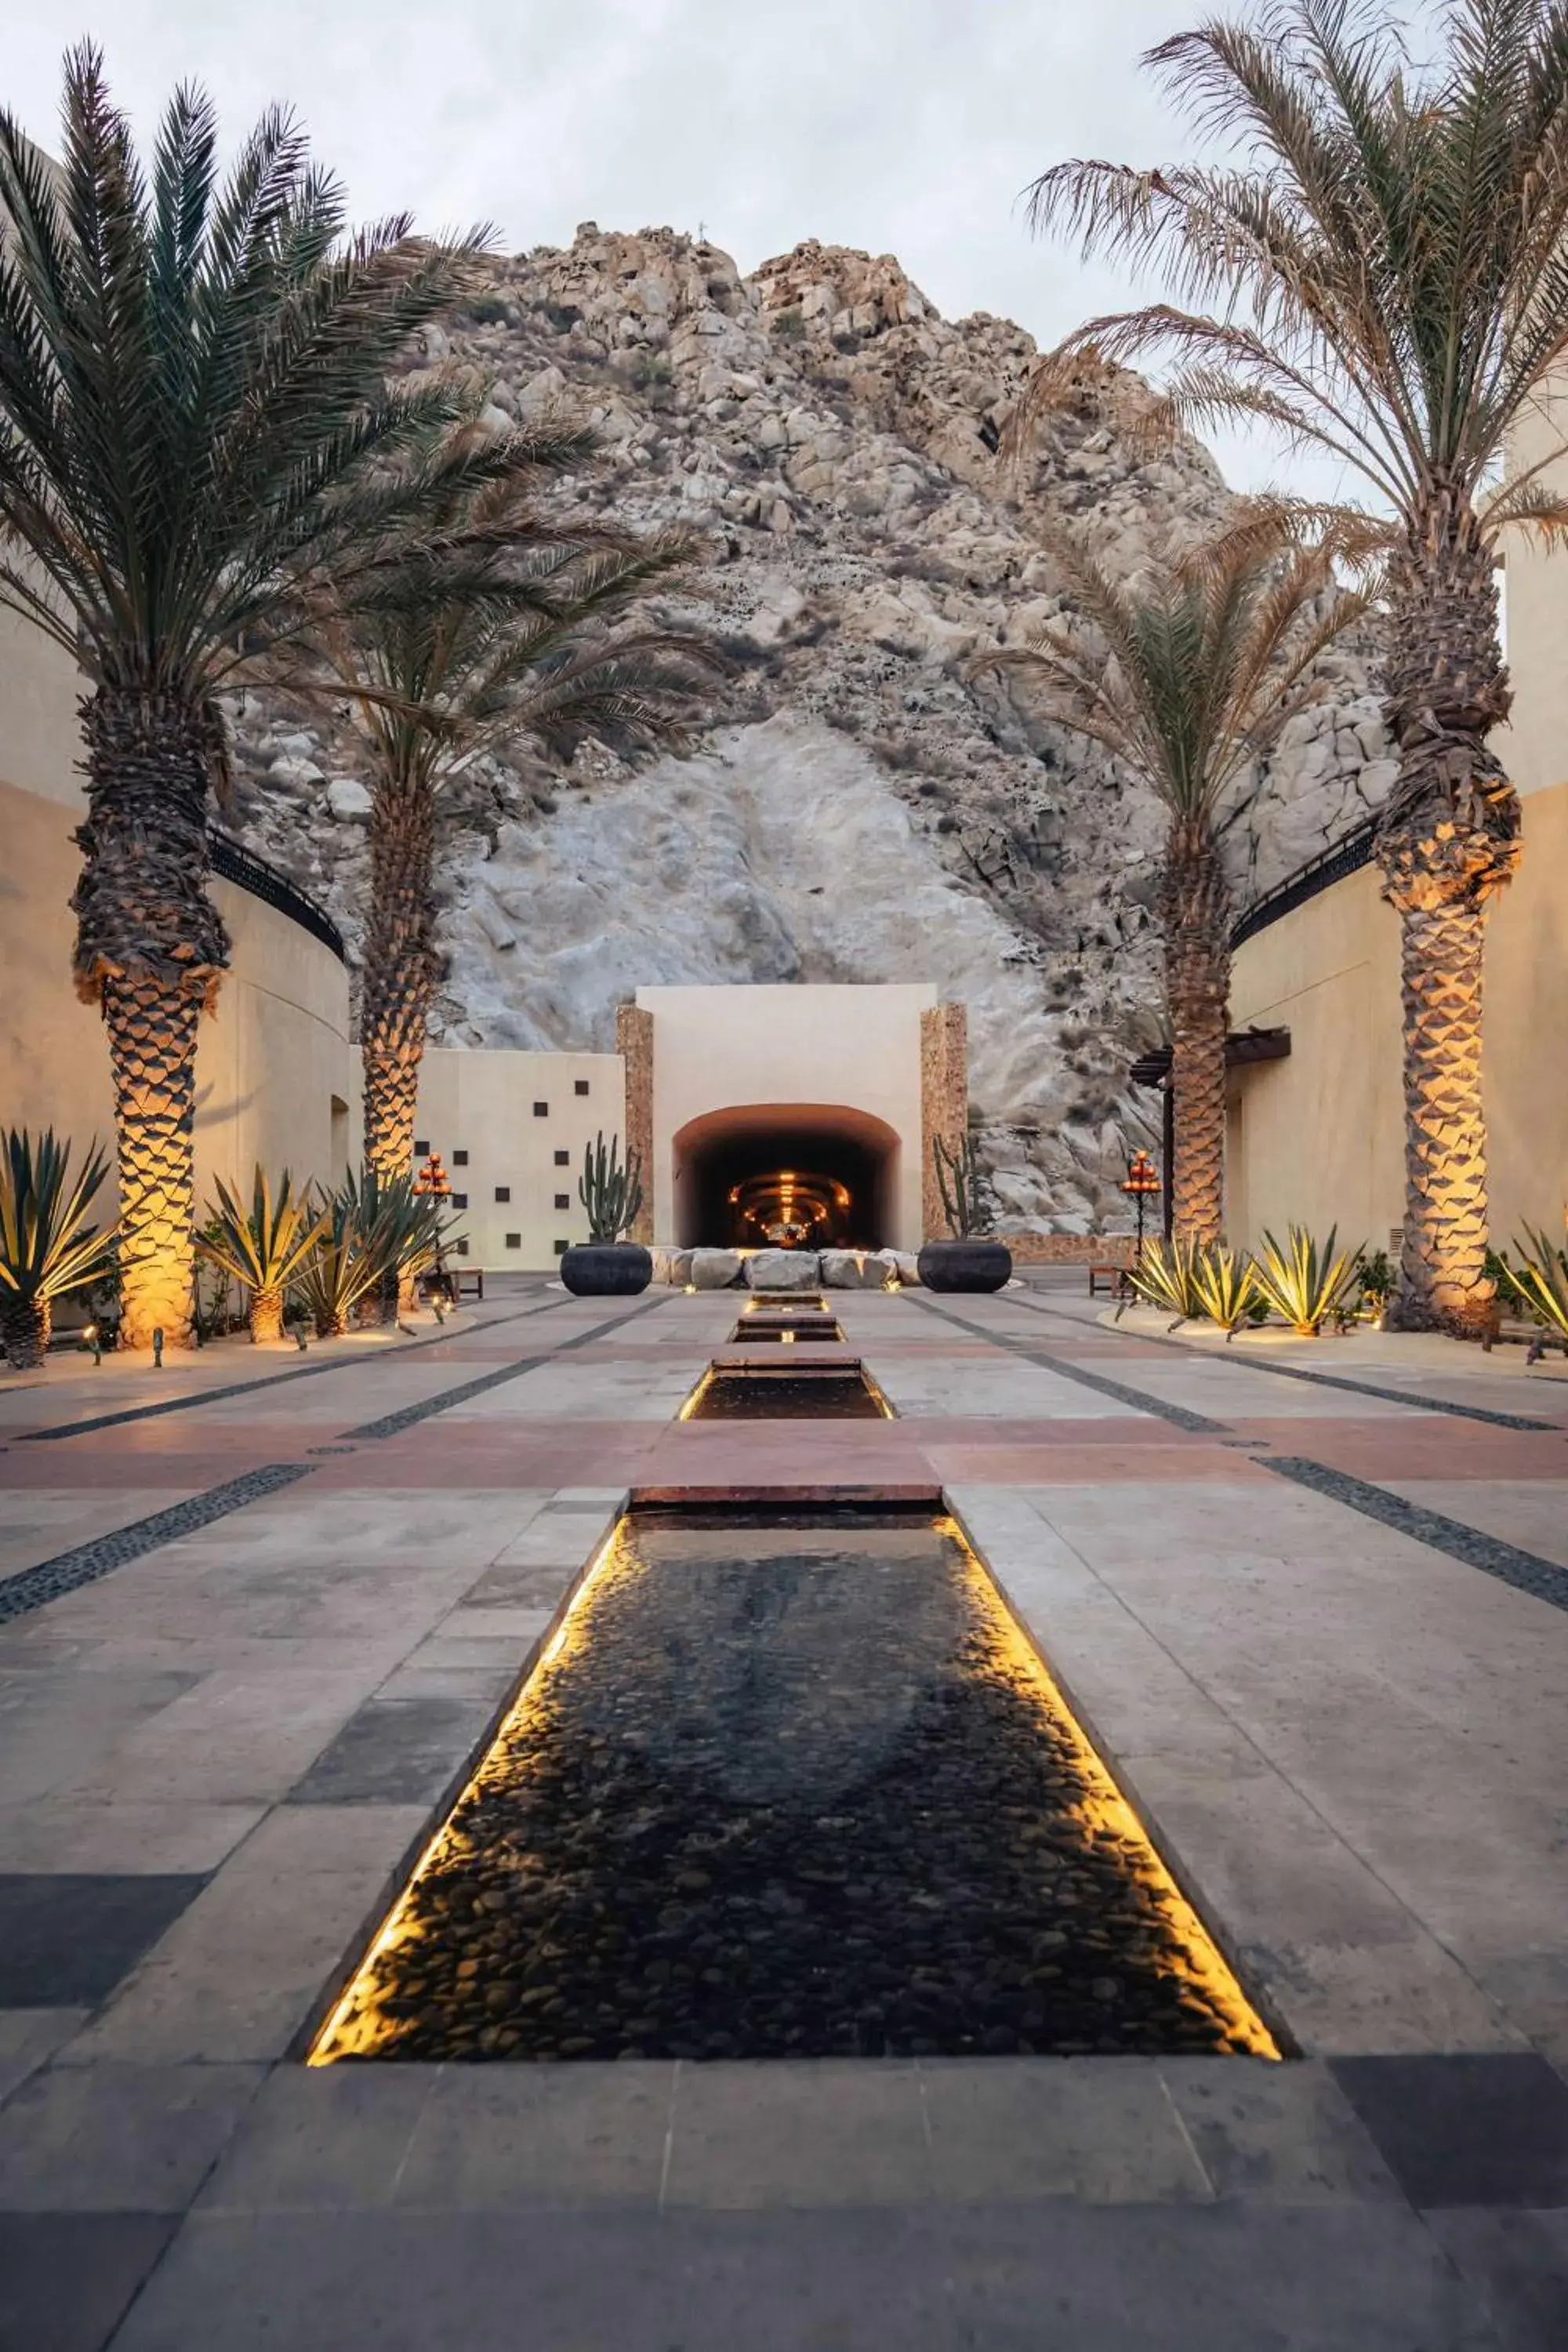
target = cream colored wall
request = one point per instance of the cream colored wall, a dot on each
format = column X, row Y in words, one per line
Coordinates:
column 1318, row 1137
column 39, row 687
column 717, row 1048
column 483, row 1103
column 1533, row 746
column 1315, row 1138
column 272, row 1060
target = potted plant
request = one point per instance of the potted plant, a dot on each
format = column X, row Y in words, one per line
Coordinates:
column 604, row 1266
column 971, row 1259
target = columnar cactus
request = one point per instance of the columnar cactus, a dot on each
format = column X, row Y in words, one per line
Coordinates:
column 611, row 1194
column 967, row 1201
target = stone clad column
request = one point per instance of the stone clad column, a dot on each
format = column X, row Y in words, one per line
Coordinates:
column 945, row 1102
column 633, row 1043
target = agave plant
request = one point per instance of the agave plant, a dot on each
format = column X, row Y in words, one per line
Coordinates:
column 47, row 1246
column 1540, row 1278
column 1166, row 1276
column 1226, row 1281
column 264, row 1247
column 376, row 1236
column 1303, row 1284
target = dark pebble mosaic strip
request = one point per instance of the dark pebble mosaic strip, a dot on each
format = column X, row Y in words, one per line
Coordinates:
column 391, row 1424
column 1328, row 1380
column 1527, row 1571
column 1196, row 1424
column 51, row 1579
column 248, row 1387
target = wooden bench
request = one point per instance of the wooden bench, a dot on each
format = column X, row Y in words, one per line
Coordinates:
column 1118, row 1278
column 452, row 1279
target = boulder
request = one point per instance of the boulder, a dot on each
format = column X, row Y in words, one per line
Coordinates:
column 348, row 798
column 903, row 1267
column 780, row 1270
column 715, row 1269
column 673, row 1266
column 854, row 1270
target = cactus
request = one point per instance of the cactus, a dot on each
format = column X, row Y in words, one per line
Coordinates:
column 967, row 1201
column 611, row 1194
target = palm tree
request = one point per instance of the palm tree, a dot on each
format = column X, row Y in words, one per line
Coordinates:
column 194, row 423
column 1385, row 280
column 502, row 624
column 1185, row 674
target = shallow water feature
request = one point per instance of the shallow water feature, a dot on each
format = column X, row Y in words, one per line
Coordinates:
column 789, row 1787
column 761, row 1392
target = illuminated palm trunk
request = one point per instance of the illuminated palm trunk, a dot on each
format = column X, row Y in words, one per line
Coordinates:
column 1447, row 843
column 398, row 984
column 150, row 951
column 24, row 1332
column 1197, row 987
column 267, row 1315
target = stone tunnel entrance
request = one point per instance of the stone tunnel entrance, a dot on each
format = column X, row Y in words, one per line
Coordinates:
column 817, row 1175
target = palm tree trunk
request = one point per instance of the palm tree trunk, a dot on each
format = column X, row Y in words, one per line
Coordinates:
column 266, row 1315
column 1449, row 842
column 1197, row 989
column 151, row 950
column 399, row 977
column 24, row 1330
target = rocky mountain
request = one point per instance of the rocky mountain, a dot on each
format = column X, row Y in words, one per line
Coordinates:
column 860, row 810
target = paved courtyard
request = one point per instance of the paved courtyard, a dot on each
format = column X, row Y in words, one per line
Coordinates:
column 258, row 1613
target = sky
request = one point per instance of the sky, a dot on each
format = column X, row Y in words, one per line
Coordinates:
column 903, row 126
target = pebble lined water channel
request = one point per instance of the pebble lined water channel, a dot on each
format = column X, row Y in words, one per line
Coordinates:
column 789, row 1787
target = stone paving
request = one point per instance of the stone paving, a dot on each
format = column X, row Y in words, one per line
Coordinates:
column 221, row 1747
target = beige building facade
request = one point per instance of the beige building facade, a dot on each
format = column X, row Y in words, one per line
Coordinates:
column 274, row 1066
column 1317, row 1137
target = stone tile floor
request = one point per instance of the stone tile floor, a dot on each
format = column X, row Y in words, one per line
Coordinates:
column 218, row 1756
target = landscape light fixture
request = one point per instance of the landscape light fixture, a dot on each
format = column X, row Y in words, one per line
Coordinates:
column 1142, row 1181
column 158, row 1349
column 92, row 1339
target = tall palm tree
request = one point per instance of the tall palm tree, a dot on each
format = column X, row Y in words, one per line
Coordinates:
column 1383, row 277
column 194, row 423
column 503, row 623
column 1185, row 673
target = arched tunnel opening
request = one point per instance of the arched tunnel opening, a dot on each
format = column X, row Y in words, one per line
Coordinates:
column 803, row 1175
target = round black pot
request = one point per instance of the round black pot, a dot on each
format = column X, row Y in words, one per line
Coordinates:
column 606, row 1269
column 964, row 1265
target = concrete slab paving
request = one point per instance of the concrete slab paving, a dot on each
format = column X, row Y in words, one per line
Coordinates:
column 1349, row 1745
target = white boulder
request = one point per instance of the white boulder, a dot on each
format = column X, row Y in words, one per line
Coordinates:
column 715, row 1269
column 780, row 1270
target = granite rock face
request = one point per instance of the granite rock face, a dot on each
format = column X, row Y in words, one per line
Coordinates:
column 860, row 809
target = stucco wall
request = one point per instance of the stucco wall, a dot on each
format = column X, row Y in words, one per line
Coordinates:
column 716, row 1048
column 1319, row 1137
column 484, row 1104
column 272, row 1060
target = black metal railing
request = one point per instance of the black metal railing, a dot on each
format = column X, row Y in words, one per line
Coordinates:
column 249, row 872
column 1346, row 856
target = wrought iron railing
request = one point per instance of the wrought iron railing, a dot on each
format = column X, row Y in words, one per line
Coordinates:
column 242, row 866
column 1346, row 856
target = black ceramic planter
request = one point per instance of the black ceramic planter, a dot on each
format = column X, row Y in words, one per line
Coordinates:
column 606, row 1269
column 964, row 1265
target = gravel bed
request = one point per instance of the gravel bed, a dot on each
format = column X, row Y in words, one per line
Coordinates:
column 788, row 1790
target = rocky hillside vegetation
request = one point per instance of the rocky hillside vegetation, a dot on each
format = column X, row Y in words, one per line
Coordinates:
column 858, row 810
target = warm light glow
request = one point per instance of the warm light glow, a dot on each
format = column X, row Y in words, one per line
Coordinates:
column 998, row 1651
column 689, row 1407
column 1105, row 1812
column 351, row 2032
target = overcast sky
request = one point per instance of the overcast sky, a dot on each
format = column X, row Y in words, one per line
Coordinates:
column 902, row 126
